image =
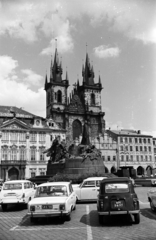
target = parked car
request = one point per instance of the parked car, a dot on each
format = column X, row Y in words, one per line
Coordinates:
column 1, row 184
column 152, row 199
column 117, row 196
column 88, row 189
column 52, row 199
column 16, row 192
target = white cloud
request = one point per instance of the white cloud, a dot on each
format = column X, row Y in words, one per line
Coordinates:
column 31, row 77
column 64, row 39
column 30, row 19
column 106, row 52
column 14, row 92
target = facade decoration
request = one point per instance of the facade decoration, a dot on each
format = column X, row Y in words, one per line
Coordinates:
column 23, row 139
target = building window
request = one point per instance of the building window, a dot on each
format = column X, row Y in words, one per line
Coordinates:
column 42, row 173
column 142, row 158
column 33, row 174
column 144, row 140
column 154, row 150
column 127, row 158
column 14, row 136
column 149, row 141
column 121, row 139
column 108, row 158
column 137, row 157
column 33, row 154
column 150, row 157
column 22, row 137
column 114, row 158
column 126, row 148
column 136, row 140
column 22, row 153
column 136, row 148
column 125, row 140
column 42, row 155
column 33, row 137
column 130, row 140
column 92, row 99
column 132, row 158
column 145, row 149
column 42, row 137
column 131, row 148
column 140, row 148
column 13, row 154
column 122, row 158
column 121, row 148
column 59, row 96
column 5, row 136
column 146, row 158
column 140, row 140
column 5, row 153
column 149, row 148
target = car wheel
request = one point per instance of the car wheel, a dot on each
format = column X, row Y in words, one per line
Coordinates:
column 68, row 217
column 100, row 219
column 152, row 207
column 4, row 207
column 137, row 218
column 74, row 208
column 33, row 220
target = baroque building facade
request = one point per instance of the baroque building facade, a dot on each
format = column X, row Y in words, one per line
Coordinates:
column 135, row 149
column 23, row 139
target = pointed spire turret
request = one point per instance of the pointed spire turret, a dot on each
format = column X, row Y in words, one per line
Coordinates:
column 46, row 82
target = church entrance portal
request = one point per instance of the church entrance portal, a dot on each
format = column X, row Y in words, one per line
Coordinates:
column 13, row 174
column 77, row 129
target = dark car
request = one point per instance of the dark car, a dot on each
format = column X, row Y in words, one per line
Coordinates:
column 117, row 196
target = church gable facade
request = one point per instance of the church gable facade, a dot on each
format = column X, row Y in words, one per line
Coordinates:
column 82, row 105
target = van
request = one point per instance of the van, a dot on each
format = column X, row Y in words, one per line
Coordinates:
column 16, row 192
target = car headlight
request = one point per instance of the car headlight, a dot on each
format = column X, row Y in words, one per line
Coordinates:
column 32, row 208
column 62, row 207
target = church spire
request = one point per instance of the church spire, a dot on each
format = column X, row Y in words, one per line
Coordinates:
column 46, row 82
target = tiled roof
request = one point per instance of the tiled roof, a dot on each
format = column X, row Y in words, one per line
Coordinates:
column 11, row 109
column 129, row 132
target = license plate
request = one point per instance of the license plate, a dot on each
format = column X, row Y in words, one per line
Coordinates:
column 47, row 207
column 117, row 204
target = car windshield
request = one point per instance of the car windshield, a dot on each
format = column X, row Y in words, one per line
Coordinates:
column 12, row 186
column 51, row 191
column 116, row 188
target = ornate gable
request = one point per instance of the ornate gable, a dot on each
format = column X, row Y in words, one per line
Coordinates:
column 14, row 125
column 76, row 105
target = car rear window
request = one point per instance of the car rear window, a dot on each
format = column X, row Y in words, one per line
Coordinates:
column 12, row 186
column 51, row 191
column 116, row 188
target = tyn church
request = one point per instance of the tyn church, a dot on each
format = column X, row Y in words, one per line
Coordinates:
column 81, row 106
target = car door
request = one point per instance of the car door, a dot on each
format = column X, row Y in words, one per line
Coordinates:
column 88, row 190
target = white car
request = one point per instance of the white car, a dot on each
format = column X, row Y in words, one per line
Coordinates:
column 16, row 192
column 52, row 199
column 152, row 199
column 88, row 189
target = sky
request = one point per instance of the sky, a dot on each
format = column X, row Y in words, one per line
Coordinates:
column 118, row 35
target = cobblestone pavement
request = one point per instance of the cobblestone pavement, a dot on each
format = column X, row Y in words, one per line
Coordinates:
column 15, row 225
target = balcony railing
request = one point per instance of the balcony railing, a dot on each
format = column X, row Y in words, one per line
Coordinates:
column 13, row 162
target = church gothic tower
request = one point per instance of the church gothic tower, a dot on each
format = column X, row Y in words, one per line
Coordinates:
column 82, row 106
